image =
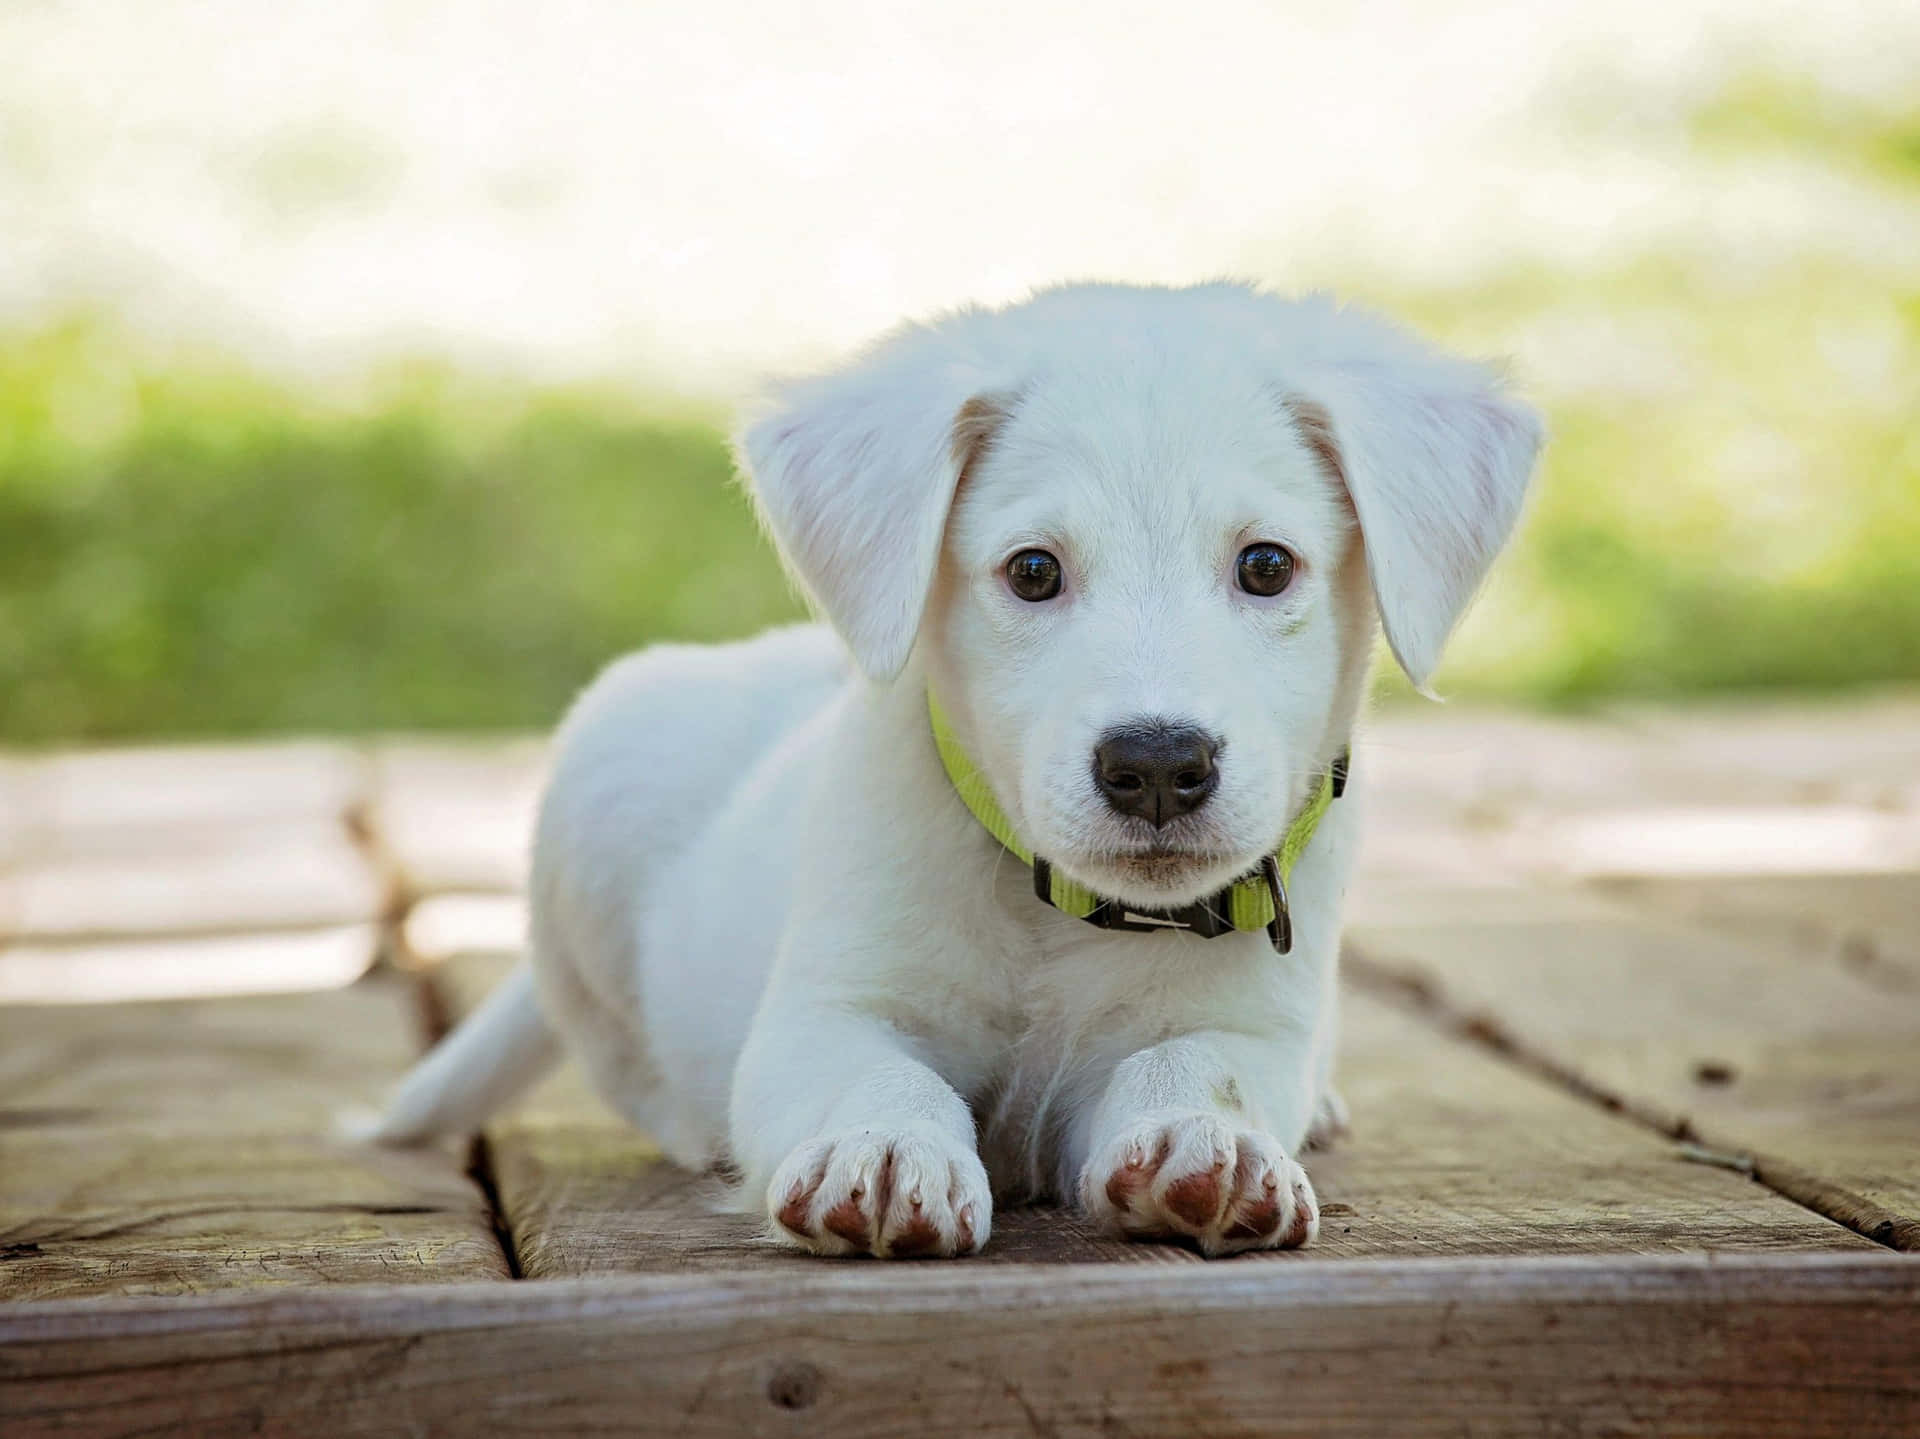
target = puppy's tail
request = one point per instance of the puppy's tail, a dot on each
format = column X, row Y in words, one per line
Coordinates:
column 498, row 1051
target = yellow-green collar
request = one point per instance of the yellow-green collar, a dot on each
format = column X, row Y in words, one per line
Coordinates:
column 1254, row 901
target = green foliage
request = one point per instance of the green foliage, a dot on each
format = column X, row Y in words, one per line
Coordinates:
column 1730, row 496
column 1730, row 499
column 1763, row 112
column 191, row 554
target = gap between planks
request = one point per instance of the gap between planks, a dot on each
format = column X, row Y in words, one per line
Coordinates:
column 1422, row 995
column 436, row 1021
column 1409, row 989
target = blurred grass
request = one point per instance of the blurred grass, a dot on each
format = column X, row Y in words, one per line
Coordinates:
column 1730, row 501
column 1762, row 111
column 1730, row 496
column 195, row 552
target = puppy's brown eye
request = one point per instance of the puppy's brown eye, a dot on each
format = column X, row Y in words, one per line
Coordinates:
column 1034, row 575
column 1265, row 569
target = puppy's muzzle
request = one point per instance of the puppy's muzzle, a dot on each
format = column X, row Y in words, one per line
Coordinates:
column 1156, row 769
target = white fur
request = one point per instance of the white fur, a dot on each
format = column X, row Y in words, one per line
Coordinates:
column 772, row 933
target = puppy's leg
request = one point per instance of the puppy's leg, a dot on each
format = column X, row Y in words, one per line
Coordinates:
column 1182, row 1145
column 858, row 1146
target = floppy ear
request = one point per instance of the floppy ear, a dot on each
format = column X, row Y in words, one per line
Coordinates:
column 854, row 473
column 1436, row 458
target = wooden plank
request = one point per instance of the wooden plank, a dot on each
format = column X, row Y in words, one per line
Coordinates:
column 1732, row 1036
column 175, row 799
column 1676, row 841
column 121, row 970
column 1451, row 1154
column 458, row 816
column 310, row 877
column 1480, row 766
column 1710, row 1347
column 1868, row 923
column 1859, row 750
column 1484, row 764
column 193, row 842
column 18, row 829
column 443, row 926
column 183, row 1147
column 1467, row 796
column 253, row 1065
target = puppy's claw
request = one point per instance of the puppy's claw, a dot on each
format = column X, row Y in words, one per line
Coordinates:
column 963, row 1225
column 1221, row 1189
column 867, row 1193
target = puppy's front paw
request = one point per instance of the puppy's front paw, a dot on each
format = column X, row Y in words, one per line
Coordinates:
column 895, row 1194
column 1194, row 1176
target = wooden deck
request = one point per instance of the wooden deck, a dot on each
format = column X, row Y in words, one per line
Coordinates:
column 1632, row 1047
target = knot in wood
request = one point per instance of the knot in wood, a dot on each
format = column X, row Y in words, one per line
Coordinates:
column 794, row 1385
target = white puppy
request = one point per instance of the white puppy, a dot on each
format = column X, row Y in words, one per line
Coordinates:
column 1122, row 549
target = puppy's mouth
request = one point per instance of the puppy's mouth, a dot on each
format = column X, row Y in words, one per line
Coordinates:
column 1164, row 864
column 1163, row 872
column 1164, row 852
column 1144, row 865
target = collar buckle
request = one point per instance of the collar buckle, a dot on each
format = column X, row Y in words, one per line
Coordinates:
column 1280, row 927
column 1206, row 918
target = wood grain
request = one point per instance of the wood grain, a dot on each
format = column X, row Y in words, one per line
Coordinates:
column 188, row 1252
column 457, row 816
column 1480, row 764
column 1452, row 1153
column 1593, row 1346
column 1866, row 923
column 175, row 799
column 1729, row 1033
column 1468, row 796
column 179, row 967
column 239, row 883
column 183, row 1147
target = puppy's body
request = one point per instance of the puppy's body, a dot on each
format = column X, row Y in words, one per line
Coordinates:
column 659, row 887
column 772, row 931
column 655, row 846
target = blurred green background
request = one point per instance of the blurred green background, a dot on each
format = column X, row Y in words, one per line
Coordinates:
column 195, row 544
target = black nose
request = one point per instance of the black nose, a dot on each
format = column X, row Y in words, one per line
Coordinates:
column 1156, row 770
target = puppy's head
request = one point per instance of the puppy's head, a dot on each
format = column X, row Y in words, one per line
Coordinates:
column 1140, row 537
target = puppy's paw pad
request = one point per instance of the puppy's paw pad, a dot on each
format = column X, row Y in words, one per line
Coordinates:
column 1192, row 1176
column 898, row 1195
column 1195, row 1199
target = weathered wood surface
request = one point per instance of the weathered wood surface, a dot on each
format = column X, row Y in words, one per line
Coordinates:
column 179, row 967
column 1791, row 1346
column 148, row 874
column 1859, row 749
column 1452, row 1154
column 1479, row 765
column 180, row 1148
column 457, row 816
column 1512, row 1241
column 1868, row 924
column 1729, row 1032
column 171, row 800
column 257, row 880
column 1472, row 797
